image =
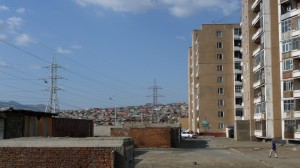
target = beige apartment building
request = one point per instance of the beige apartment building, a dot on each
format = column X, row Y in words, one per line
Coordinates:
column 215, row 79
column 261, row 71
column 289, row 25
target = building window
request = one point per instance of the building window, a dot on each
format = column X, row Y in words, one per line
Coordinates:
column 219, row 56
column 220, row 68
column 220, row 79
column 219, row 33
column 221, row 125
column 288, row 64
column 220, row 114
column 220, row 90
column 237, row 31
column 238, row 88
column 238, row 77
column 288, row 105
column 237, row 65
column 286, row 25
column 219, row 45
column 286, row 46
column 237, row 54
column 239, row 113
column 296, row 43
column 220, row 102
column 297, row 23
column 289, row 125
column 237, row 43
column 288, row 85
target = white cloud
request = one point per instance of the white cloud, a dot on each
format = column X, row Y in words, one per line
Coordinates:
column 3, row 8
column 76, row 46
column 61, row 50
column 180, row 37
column 4, row 64
column 23, row 39
column 133, row 6
column 21, row 10
column 3, row 36
column 182, row 8
column 178, row 8
column 14, row 23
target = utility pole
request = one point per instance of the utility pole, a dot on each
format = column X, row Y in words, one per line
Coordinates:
column 52, row 106
column 155, row 95
column 115, row 112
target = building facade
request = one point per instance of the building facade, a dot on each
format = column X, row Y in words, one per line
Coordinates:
column 289, row 25
column 215, row 78
column 261, row 68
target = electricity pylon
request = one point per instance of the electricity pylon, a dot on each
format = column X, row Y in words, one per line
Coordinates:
column 53, row 106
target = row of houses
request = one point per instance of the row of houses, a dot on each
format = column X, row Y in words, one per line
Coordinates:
column 247, row 75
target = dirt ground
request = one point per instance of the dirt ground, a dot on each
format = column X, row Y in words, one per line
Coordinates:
column 218, row 152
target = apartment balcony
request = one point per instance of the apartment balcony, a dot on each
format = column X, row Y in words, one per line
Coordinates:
column 296, row 93
column 282, row 1
column 289, row 14
column 295, row 33
column 255, row 21
column 239, row 117
column 288, row 115
column 255, row 7
column 238, row 71
column 260, row 116
column 236, row 37
column 295, row 53
column 297, row 135
column 238, row 94
column 258, row 83
column 239, row 106
column 296, row 73
column 237, row 48
column 296, row 114
column 258, row 49
column 257, row 34
column 258, row 133
column 259, row 99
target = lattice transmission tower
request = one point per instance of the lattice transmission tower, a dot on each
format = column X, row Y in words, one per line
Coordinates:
column 53, row 106
column 155, row 94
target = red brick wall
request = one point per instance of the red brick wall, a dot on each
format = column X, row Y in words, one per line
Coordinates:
column 151, row 137
column 56, row 157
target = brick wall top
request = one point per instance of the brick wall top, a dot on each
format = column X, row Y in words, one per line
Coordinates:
column 65, row 142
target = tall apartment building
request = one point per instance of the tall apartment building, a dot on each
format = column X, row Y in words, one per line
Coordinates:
column 289, row 34
column 214, row 78
column 261, row 69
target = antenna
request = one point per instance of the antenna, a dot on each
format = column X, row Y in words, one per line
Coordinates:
column 52, row 106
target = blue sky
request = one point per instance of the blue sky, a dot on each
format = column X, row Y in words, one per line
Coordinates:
column 107, row 48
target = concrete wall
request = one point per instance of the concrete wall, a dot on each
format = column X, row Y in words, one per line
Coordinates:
column 242, row 130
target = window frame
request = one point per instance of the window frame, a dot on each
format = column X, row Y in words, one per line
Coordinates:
column 221, row 102
column 219, row 33
column 220, row 68
column 219, row 45
column 220, row 91
column 287, row 64
column 220, row 114
column 220, row 56
column 220, row 79
column 288, row 85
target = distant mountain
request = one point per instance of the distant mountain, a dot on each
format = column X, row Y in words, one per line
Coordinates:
column 16, row 105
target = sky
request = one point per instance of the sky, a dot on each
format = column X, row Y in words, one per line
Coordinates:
column 109, row 52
